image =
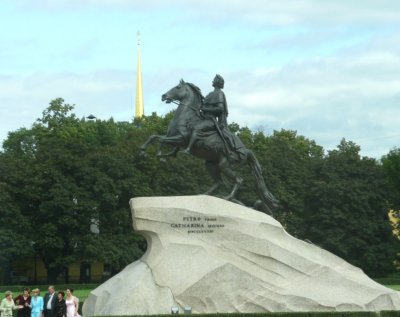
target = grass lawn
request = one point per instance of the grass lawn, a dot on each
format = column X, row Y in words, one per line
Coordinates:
column 83, row 293
column 396, row 287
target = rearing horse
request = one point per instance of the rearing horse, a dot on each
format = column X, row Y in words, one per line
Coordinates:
column 210, row 146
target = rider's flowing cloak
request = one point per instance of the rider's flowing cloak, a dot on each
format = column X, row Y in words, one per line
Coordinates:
column 235, row 145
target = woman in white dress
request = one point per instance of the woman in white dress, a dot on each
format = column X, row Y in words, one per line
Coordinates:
column 71, row 303
column 7, row 305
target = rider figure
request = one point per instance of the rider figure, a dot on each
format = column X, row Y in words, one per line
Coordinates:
column 214, row 108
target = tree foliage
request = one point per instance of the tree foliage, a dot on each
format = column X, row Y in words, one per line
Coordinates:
column 66, row 175
column 391, row 165
column 347, row 208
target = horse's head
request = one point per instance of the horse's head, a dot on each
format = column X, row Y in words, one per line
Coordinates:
column 179, row 93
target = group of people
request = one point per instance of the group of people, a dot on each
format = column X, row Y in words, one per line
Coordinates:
column 31, row 304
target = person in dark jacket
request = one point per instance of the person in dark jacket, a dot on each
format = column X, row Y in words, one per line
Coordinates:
column 49, row 302
column 25, row 301
column 60, row 309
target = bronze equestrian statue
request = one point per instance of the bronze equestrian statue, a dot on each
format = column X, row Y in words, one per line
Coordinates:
column 199, row 127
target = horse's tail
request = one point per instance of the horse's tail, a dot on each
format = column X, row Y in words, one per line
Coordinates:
column 264, row 194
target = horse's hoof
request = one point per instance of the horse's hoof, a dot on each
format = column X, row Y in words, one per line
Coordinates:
column 229, row 197
column 142, row 154
column 187, row 152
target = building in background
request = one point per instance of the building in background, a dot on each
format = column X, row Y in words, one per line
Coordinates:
column 32, row 271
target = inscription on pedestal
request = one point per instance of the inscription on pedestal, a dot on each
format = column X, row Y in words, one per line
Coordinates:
column 198, row 224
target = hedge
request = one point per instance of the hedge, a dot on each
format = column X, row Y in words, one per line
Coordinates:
column 388, row 280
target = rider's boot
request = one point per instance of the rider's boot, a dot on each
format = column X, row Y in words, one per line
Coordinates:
column 193, row 139
column 186, row 151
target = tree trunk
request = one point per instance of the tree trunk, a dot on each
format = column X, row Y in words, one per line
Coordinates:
column 52, row 274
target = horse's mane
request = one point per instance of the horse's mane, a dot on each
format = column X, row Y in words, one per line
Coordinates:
column 197, row 91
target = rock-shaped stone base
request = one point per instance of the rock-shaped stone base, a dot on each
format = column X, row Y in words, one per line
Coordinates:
column 217, row 256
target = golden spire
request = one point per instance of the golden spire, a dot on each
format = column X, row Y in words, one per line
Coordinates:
column 139, row 90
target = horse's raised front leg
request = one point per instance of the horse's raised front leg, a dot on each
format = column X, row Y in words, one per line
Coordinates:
column 151, row 139
column 175, row 141
column 171, row 153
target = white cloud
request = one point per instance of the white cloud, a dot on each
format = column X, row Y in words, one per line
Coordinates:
column 105, row 94
column 338, row 77
column 261, row 12
column 353, row 95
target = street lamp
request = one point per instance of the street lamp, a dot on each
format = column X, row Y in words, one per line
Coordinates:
column 174, row 310
column 187, row 310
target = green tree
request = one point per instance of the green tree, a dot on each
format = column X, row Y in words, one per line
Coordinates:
column 74, row 174
column 66, row 175
column 287, row 160
column 346, row 210
column 13, row 244
column 391, row 165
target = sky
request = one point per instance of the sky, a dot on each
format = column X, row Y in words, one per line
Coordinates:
column 327, row 69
